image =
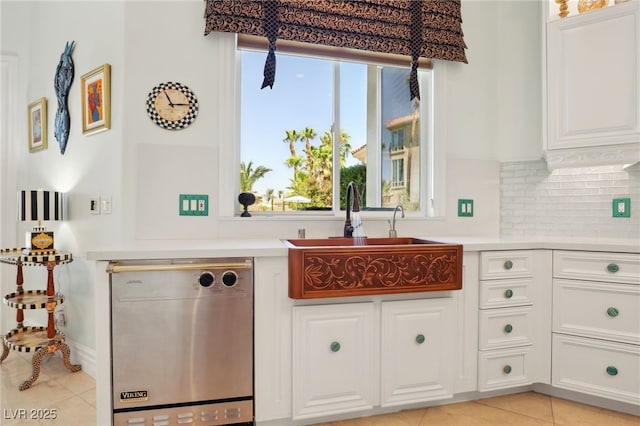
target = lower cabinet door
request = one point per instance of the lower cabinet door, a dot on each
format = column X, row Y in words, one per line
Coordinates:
column 334, row 355
column 418, row 339
column 597, row 367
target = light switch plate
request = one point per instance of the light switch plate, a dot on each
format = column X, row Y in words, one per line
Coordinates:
column 105, row 204
column 621, row 207
column 465, row 208
column 194, row 205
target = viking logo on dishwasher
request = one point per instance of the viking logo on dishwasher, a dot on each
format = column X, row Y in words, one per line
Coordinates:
column 133, row 396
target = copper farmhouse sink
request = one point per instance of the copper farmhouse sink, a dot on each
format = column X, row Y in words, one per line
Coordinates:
column 340, row 267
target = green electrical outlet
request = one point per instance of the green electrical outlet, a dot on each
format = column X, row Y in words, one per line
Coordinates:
column 194, row 205
column 621, row 207
column 465, row 208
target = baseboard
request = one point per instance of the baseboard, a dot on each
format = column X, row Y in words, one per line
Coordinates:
column 83, row 355
column 597, row 401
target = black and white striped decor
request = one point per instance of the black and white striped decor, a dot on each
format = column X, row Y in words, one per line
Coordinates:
column 39, row 205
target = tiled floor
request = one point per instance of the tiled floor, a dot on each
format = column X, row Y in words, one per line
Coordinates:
column 72, row 397
column 522, row 409
column 69, row 397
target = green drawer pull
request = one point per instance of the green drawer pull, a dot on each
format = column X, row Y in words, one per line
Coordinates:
column 508, row 294
column 508, row 264
column 612, row 371
column 613, row 312
column 508, row 328
column 613, row 268
column 335, row 346
column 420, row 339
column 507, row 369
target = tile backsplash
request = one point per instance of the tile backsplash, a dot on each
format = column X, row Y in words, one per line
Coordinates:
column 573, row 202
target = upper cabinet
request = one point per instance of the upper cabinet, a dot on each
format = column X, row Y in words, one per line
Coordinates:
column 593, row 87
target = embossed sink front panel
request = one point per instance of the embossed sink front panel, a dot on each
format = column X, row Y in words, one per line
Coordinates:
column 318, row 271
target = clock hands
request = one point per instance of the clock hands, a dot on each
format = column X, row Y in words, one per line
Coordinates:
column 171, row 104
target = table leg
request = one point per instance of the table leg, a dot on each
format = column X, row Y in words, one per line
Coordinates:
column 36, row 360
column 66, row 354
column 5, row 351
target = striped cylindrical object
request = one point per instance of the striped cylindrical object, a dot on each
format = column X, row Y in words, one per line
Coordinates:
column 38, row 205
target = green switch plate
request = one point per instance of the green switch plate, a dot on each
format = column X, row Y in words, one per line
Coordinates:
column 621, row 207
column 194, row 205
column 465, row 208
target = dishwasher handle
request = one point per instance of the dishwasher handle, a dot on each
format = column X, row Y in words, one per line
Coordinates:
column 115, row 267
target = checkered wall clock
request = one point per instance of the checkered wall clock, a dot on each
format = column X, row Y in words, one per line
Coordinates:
column 172, row 106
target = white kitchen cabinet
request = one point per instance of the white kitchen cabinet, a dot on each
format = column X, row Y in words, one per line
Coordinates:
column 416, row 344
column 608, row 311
column 334, row 359
column 272, row 319
column 596, row 324
column 593, row 87
column 354, row 356
column 597, row 367
column 514, row 323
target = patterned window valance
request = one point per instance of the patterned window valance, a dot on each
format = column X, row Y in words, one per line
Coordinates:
column 430, row 29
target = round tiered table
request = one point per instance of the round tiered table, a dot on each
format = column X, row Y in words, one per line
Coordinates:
column 40, row 340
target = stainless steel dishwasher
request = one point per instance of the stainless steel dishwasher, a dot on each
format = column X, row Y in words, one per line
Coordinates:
column 182, row 342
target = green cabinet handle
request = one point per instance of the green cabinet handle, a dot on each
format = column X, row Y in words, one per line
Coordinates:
column 507, row 369
column 612, row 371
column 335, row 346
column 612, row 312
column 508, row 293
column 508, row 264
column 420, row 339
column 508, row 328
column 613, row 268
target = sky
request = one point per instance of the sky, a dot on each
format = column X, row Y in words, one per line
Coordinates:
column 301, row 97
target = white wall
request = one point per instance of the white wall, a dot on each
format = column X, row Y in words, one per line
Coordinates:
column 491, row 105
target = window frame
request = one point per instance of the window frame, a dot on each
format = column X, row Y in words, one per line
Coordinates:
column 432, row 184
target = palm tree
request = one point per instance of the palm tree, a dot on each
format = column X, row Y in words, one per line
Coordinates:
column 291, row 138
column 295, row 163
column 308, row 134
column 248, row 176
column 269, row 195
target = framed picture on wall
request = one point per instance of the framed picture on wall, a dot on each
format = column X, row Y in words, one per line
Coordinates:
column 96, row 100
column 38, row 125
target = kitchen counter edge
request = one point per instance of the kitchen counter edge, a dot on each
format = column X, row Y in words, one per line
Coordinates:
column 275, row 247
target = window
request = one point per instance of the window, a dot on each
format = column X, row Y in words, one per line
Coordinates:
column 397, row 139
column 324, row 115
column 397, row 179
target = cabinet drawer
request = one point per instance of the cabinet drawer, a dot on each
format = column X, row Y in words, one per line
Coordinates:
column 595, row 309
column 505, row 293
column 596, row 266
column 504, row 328
column 596, row 367
column 503, row 369
column 506, row 264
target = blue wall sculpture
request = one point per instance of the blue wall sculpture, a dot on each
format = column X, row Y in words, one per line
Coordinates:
column 63, row 80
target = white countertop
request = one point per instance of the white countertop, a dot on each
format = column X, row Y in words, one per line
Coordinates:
column 275, row 247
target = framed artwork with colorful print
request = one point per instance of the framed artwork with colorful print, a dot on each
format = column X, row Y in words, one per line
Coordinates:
column 96, row 100
column 38, row 125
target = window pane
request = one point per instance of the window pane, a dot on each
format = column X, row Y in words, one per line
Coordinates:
column 353, row 122
column 400, row 129
column 287, row 130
